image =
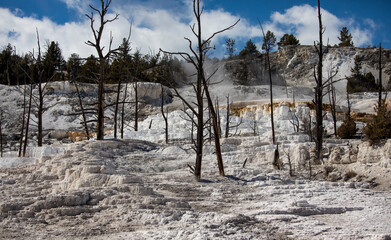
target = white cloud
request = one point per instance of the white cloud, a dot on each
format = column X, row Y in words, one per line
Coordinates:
column 21, row 32
column 79, row 5
column 303, row 22
column 157, row 27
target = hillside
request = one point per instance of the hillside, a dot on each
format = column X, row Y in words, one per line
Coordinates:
column 140, row 187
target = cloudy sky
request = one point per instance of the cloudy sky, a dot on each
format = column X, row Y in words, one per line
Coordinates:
column 164, row 23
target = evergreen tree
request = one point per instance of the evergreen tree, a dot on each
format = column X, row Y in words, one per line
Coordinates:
column 53, row 62
column 345, row 38
column 269, row 41
column 249, row 49
column 5, row 62
column 89, row 70
column 359, row 82
column 288, row 40
column 380, row 126
column 74, row 66
column 230, row 46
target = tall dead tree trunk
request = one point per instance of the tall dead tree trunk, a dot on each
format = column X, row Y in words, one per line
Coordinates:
column 228, row 125
column 165, row 116
column 1, row 134
column 349, row 105
column 43, row 79
column 116, row 109
column 23, row 120
column 98, row 33
column 123, row 111
column 82, row 111
column 228, row 118
column 380, row 76
column 217, row 107
column 319, row 91
column 26, row 135
column 135, row 87
column 270, row 86
column 40, row 112
column 276, row 160
column 333, row 104
column 197, row 60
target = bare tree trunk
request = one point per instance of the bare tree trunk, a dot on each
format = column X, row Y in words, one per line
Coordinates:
column 319, row 92
column 332, row 101
column 101, row 101
column 209, row 127
column 197, row 60
column 1, row 134
column 163, row 114
column 116, row 109
column 82, row 112
column 271, row 100
column 40, row 112
column 200, row 131
column 294, row 119
column 28, row 121
column 349, row 105
column 192, row 127
column 211, row 108
column 380, row 77
column 218, row 116
column 135, row 86
column 23, row 120
column 271, row 88
column 98, row 33
column 123, row 111
column 228, row 118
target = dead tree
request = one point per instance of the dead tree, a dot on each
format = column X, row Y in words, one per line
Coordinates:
column 380, row 77
column 288, row 156
column 268, row 46
column 201, row 88
column 1, row 134
column 123, row 110
column 228, row 125
column 228, row 119
column 103, row 58
column 135, row 87
column 294, row 118
column 217, row 107
column 83, row 112
column 349, row 104
column 116, row 108
column 41, row 84
column 209, row 127
column 318, row 102
column 26, row 135
column 267, row 49
column 165, row 115
column 40, row 78
column 23, row 119
column 333, row 103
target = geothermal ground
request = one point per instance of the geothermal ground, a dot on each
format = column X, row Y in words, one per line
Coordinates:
column 141, row 188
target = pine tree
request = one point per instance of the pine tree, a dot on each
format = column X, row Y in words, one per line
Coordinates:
column 345, row 38
column 249, row 49
column 358, row 82
column 380, row 127
column 269, row 41
column 288, row 40
column 230, row 45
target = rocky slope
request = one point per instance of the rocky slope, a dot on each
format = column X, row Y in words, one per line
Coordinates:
column 294, row 65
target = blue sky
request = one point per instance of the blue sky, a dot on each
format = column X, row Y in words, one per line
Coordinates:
column 157, row 23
